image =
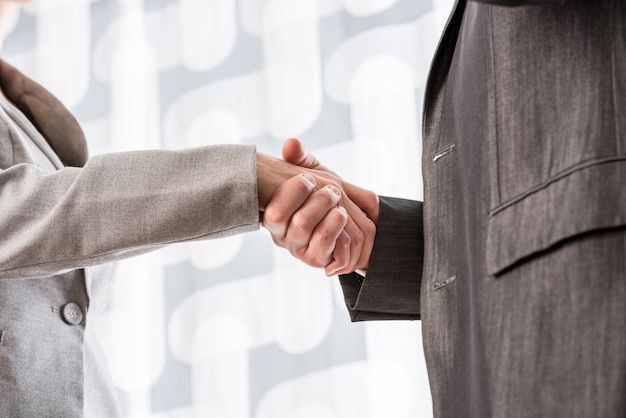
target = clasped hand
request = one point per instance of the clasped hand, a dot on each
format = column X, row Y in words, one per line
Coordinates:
column 321, row 219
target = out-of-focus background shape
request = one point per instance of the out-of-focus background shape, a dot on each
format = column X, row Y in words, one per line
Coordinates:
column 236, row 328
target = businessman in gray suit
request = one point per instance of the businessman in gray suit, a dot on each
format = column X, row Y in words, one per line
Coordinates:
column 516, row 260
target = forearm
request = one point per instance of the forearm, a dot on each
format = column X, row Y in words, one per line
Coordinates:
column 122, row 204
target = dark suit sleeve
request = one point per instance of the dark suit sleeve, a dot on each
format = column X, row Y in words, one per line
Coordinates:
column 521, row 2
column 391, row 289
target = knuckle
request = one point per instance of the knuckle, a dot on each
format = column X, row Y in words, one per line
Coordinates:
column 300, row 223
column 300, row 254
column 273, row 217
column 358, row 238
column 327, row 196
column 313, row 260
column 343, row 240
column 279, row 242
column 372, row 197
column 370, row 228
column 318, row 263
column 331, row 232
column 325, row 235
column 302, row 187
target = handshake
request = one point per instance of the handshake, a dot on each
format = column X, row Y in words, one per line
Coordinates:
column 309, row 210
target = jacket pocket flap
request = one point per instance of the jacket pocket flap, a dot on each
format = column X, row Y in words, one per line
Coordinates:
column 588, row 197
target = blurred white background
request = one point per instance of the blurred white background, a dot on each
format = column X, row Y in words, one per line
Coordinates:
column 236, row 328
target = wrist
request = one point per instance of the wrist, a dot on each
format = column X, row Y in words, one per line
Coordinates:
column 271, row 172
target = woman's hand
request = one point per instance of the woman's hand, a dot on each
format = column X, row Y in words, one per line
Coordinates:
column 309, row 210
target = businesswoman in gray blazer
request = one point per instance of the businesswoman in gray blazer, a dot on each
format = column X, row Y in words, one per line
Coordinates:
column 64, row 217
column 516, row 260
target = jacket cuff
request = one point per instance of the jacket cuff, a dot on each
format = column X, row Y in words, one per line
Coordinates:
column 391, row 288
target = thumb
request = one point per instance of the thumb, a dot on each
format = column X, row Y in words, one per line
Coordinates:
column 294, row 152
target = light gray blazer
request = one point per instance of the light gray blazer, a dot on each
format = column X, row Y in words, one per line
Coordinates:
column 54, row 226
column 515, row 261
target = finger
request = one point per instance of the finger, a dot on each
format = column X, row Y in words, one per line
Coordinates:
column 362, row 232
column 309, row 219
column 319, row 252
column 340, row 255
column 356, row 246
column 286, row 200
column 295, row 153
column 364, row 199
column 368, row 227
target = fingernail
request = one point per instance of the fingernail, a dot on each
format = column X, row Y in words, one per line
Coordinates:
column 309, row 178
column 334, row 190
column 342, row 209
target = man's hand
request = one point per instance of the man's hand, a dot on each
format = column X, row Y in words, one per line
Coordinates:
column 306, row 214
column 309, row 223
column 294, row 152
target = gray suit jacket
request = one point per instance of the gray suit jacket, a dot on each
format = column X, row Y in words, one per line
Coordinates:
column 515, row 260
column 54, row 226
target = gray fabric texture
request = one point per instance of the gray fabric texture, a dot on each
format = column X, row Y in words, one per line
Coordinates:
column 523, row 281
column 58, row 228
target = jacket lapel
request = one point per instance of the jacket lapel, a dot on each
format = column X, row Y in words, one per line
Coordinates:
column 56, row 124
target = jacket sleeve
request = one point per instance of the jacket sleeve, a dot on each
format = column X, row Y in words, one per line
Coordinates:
column 122, row 204
column 391, row 287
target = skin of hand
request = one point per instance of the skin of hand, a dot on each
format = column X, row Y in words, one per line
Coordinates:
column 302, row 218
column 309, row 223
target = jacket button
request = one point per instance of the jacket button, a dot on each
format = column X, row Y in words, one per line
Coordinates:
column 72, row 314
